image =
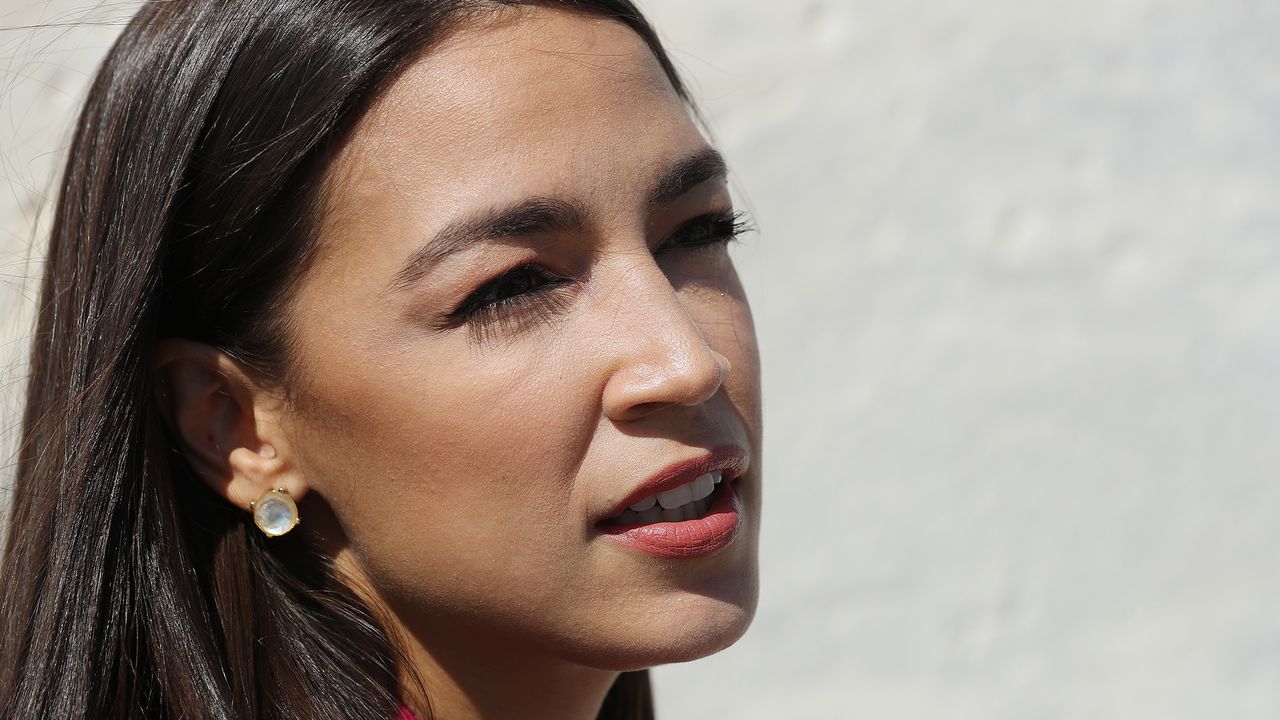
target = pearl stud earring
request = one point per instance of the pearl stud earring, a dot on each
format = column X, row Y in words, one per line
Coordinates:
column 274, row 512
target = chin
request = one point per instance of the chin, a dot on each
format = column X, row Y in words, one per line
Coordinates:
column 686, row 628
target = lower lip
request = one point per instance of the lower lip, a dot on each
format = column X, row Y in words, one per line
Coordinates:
column 689, row 538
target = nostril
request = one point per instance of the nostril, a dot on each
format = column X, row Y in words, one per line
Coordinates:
column 646, row 408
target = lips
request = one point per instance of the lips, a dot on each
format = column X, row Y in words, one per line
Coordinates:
column 731, row 461
column 718, row 518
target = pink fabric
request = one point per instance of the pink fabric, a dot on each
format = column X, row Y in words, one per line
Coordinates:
column 405, row 714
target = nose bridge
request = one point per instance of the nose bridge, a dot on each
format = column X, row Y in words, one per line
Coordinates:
column 660, row 355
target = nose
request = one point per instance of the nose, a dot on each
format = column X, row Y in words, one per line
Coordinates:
column 660, row 356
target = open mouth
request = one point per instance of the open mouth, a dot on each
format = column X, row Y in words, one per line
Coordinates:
column 699, row 527
column 692, row 501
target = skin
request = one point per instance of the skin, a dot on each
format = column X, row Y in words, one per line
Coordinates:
column 457, row 474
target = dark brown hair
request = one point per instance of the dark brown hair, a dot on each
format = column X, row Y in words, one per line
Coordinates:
column 129, row 589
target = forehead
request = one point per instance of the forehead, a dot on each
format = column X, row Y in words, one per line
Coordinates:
column 527, row 100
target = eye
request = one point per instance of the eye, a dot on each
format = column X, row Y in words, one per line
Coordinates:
column 513, row 283
column 707, row 233
column 527, row 292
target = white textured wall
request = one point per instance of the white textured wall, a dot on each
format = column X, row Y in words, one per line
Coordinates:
column 1017, row 292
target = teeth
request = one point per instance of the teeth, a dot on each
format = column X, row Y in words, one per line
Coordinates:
column 645, row 504
column 677, row 497
column 686, row 502
column 657, row 513
column 703, row 486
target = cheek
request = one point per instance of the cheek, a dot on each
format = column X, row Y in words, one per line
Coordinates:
column 425, row 464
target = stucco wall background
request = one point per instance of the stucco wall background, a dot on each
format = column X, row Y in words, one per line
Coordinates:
column 1016, row 289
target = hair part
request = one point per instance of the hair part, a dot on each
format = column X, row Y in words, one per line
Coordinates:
column 188, row 208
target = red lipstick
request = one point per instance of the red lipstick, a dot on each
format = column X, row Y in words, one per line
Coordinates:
column 698, row 537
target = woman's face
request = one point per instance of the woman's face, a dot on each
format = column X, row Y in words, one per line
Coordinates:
column 521, row 312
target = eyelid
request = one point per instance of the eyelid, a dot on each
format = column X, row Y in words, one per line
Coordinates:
column 482, row 314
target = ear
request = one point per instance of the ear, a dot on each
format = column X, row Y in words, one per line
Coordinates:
column 227, row 424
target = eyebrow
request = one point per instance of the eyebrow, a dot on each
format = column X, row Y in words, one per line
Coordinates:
column 524, row 219
column 686, row 174
column 540, row 215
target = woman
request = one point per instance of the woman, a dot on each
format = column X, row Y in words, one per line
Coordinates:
column 389, row 360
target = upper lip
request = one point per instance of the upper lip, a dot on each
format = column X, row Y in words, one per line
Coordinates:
column 731, row 460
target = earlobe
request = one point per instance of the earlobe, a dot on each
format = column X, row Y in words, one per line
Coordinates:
column 224, row 422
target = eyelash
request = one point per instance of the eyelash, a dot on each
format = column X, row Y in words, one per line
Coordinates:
column 541, row 303
column 717, row 230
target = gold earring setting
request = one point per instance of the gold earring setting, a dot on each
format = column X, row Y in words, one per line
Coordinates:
column 274, row 512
